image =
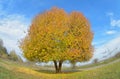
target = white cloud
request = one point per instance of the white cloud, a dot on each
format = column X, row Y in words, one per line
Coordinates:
column 109, row 49
column 110, row 14
column 111, row 32
column 115, row 23
column 13, row 26
column 12, row 29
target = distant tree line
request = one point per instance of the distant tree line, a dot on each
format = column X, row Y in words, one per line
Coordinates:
column 5, row 55
column 3, row 50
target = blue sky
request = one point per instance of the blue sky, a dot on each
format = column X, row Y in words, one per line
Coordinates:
column 16, row 16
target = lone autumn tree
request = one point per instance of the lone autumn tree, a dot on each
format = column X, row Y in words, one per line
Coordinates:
column 57, row 36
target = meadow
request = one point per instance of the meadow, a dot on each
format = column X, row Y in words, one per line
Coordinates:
column 14, row 70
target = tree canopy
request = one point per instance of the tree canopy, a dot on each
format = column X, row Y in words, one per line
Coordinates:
column 55, row 35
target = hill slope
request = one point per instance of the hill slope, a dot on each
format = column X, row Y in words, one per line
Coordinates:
column 11, row 70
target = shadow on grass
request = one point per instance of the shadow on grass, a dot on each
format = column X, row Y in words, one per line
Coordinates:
column 63, row 71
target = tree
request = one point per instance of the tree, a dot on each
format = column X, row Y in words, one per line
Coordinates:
column 3, row 50
column 13, row 56
column 1, row 42
column 57, row 36
column 95, row 60
column 73, row 64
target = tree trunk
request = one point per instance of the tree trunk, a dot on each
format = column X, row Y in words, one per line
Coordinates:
column 58, row 66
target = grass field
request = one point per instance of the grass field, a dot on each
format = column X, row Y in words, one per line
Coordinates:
column 12, row 70
column 112, row 59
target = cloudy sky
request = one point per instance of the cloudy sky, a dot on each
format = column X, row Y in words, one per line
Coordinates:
column 16, row 16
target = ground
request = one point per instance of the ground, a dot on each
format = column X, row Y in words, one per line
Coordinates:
column 13, row 70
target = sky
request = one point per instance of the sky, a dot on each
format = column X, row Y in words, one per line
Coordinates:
column 16, row 17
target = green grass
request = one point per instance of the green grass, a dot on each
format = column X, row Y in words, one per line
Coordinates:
column 99, row 63
column 12, row 70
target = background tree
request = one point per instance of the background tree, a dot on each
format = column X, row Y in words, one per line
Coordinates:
column 57, row 36
column 13, row 56
column 3, row 50
column 73, row 64
column 95, row 60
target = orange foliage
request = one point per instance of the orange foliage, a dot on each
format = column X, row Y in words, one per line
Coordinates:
column 57, row 35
